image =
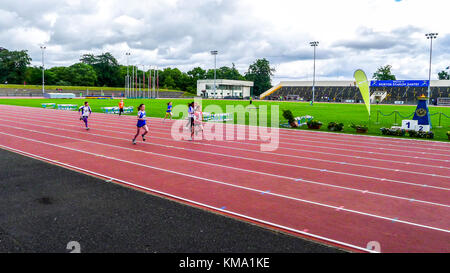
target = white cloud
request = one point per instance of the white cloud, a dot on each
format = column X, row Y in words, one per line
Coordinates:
column 352, row 33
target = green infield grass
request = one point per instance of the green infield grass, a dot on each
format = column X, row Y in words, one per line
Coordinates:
column 324, row 112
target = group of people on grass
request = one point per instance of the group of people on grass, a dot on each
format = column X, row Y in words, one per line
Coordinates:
column 195, row 118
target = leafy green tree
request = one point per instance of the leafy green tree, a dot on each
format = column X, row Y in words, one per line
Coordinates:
column 443, row 75
column 194, row 75
column 197, row 73
column 169, row 82
column 13, row 66
column 82, row 75
column 62, row 74
column 260, row 73
column 226, row 73
column 50, row 77
column 106, row 67
column 173, row 78
column 231, row 73
column 33, row 75
column 384, row 74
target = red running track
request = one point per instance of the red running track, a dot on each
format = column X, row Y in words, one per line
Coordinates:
column 347, row 196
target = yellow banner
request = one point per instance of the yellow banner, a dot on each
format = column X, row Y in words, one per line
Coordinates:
column 363, row 84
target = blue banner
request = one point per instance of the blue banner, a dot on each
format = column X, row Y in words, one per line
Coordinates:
column 399, row 83
column 422, row 114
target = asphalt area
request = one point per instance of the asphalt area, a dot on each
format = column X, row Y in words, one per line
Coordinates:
column 43, row 207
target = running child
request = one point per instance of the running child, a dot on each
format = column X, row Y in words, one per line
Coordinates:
column 142, row 123
column 121, row 107
column 85, row 111
column 191, row 118
column 169, row 110
column 198, row 121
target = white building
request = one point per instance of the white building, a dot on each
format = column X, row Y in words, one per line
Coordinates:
column 224, row 88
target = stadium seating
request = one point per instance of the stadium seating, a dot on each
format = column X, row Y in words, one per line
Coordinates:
column 408, row 95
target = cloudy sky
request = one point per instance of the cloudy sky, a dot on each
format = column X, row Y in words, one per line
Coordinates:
column 180, row 33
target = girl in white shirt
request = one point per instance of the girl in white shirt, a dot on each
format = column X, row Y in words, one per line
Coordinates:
column 85, row 111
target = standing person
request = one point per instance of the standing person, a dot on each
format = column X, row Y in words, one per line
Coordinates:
column 142, row 123
column 121, row 104
column 85, row 111
column 169, row 110
column 251, row 100
column 191, row 118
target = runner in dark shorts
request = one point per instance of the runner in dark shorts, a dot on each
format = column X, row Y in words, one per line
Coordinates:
column 121, row 107
column 191, row 119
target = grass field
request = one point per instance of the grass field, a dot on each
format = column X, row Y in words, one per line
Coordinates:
column 324, row 112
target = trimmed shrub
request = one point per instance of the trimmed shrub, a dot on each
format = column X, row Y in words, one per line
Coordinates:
column 336, row 127
column 287, row 114
column 360, row 128
column 392, row 132
column 421, row 134
column 314, row 124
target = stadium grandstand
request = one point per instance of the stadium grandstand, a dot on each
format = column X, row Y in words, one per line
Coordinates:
column 347, row 91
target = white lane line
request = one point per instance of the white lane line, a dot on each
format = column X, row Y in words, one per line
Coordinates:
column 191, row 201
column 348, row 144
column 327, row 147
column 311, row 151
column 260, row 160
column 235, row 186
column 310, row 134
column 289, row 132
column 287, row 155
column 277, row 163
column 349, row 137
column 223, row 166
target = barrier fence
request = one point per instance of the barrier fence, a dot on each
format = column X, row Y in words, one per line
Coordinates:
column 396, row 113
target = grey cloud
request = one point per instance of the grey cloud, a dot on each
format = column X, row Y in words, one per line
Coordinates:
column 368, row 39
column 183, row 32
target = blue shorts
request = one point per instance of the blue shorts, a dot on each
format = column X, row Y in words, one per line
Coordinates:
column 168, row 111
column 141, row 123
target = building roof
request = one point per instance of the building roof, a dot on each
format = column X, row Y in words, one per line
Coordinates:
column 227, row 82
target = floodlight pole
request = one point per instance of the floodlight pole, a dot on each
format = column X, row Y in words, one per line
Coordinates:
column 127, row 86
column 131, row 82
column 157, row 82
column 154, row 83
column 43, row 70
column 134, row 82
column 430, row 36
column 136, row 88
column 214, row 53
column 149, row 78
column 143, row 81
column 314, row 44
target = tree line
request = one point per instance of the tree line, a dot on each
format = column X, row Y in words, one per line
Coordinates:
column 105, row 70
